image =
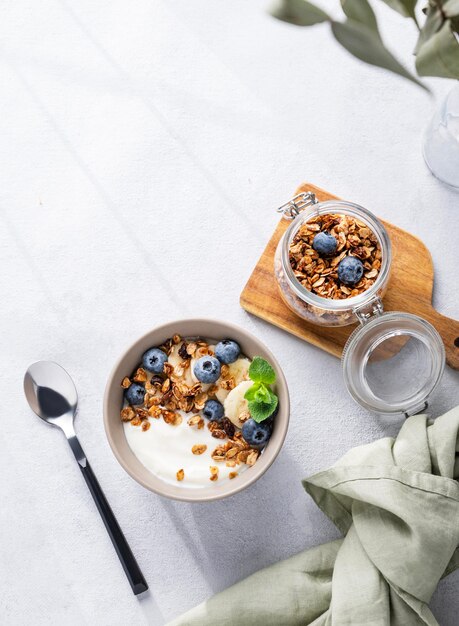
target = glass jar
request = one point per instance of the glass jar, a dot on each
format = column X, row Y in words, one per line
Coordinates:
column 308, row 305
column 392, row 362
column 441, row 140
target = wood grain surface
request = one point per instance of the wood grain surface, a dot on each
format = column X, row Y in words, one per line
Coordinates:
column 410, row 290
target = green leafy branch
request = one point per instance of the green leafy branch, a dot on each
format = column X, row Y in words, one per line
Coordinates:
column 437, row 48
column 261, row 399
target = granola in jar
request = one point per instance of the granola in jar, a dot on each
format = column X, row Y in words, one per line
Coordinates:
column 317, row 271
column 332, row 262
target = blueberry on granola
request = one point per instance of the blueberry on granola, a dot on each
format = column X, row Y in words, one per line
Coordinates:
column 135, row 394
column 207, row 369
column 256, row 434
column 153, row 360
column 213, row 410
column 350, row 270
column 324, row 243
column 227, row 351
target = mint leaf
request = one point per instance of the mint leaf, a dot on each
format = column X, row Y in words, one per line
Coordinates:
column 262, row 402
column 258, row 392
column 251, row 392
column 261, row 371
column 273, row 398
column 262, row 394
column 260, row 411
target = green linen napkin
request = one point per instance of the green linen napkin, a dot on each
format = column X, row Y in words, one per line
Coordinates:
column 397, row 504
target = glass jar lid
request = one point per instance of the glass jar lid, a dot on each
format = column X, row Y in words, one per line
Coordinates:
column 393, row 362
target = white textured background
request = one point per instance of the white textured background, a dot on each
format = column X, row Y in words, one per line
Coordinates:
column 144, row 146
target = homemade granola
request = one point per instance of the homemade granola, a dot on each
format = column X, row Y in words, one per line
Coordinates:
column 185, row 411
column 318, row 272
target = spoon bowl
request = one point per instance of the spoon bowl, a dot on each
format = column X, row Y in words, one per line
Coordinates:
column 50, row 392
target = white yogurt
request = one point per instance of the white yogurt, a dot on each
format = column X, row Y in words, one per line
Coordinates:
column 164, row 449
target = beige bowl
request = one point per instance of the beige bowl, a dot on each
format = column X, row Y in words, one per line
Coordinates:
column 113, row 399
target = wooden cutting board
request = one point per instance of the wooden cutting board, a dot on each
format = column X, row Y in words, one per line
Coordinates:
column 410, row 289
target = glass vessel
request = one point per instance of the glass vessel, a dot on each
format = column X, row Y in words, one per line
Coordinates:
column 441, row 140
column 310, row 306
column 393, row 361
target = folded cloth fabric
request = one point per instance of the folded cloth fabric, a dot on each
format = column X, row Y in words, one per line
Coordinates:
column 397, row 504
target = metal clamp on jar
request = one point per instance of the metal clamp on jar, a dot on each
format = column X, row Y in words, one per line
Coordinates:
column 393, row 361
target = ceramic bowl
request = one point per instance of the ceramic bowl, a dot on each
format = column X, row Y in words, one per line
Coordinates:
column 207, row 328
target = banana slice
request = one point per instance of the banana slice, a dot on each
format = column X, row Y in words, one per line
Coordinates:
column 221, row 394
column 239, row 370
column 175, row 359
column 235, row 402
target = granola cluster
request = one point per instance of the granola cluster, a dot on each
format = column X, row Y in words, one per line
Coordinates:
column 165, row 393
column 167, row 396
column 319, row 274
column 235, row 451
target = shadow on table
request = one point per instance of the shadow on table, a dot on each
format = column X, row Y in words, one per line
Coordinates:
column 267, row 522
column 150, row 609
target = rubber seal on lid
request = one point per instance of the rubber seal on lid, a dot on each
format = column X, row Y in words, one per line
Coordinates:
column 393, row 363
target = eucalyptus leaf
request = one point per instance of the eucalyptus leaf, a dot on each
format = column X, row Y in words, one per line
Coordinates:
column 451, row 8
column 433, row 23
column 360, row 11
column 439, row 55
column 362, row 42
column 298, row 12
column 404, row 7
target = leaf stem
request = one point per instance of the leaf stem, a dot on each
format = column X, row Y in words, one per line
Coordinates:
column 439, row 6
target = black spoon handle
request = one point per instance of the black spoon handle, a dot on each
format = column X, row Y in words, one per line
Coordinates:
column 124, row 552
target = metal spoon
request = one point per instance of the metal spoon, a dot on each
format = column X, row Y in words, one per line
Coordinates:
column 52, row 395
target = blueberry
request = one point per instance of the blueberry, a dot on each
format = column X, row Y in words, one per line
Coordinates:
column 213, row 410
column 135, row 394
column 227, row 351
column 207, row 369
column 350, row 270
column 324, row 244
column 153, row 360
column 256, row 434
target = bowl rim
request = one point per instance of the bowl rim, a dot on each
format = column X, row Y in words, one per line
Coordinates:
column 248, row 477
